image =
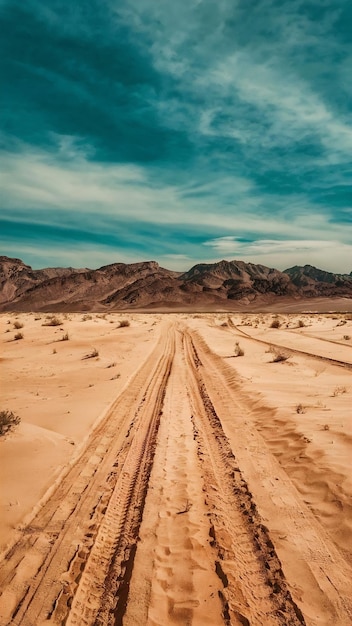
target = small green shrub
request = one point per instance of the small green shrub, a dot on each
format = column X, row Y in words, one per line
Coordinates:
column 8, row 420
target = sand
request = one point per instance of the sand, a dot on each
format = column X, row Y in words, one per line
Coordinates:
column 165, row 480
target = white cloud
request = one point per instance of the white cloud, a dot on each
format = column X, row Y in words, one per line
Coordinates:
column 284, row 253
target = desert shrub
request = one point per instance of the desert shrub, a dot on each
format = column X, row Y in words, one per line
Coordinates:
column 275, row 323
column 18, row 336
column 65, row 337
column 111, row 365
column 8, row 420
column 18, row 325
column 300, row 408
column 86, row 317
column 53, row 321
column 346, row 337
column 301, row 324
column 338, row 391
column 238, row 350
column 279, row 355
column 115, row 377
column 91, row 355
column 124, row 323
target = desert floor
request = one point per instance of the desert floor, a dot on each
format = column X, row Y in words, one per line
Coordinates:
column 190, row 469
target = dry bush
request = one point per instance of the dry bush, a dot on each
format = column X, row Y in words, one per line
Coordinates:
column 124, row 324
column 8, row 420
column 111, row 365
column 53, row 321
column 238, row 350
column 346, row 337
column 275, row 323
column 87, row 317
column 301, row 324
column 115, row 377
column 91, row 355
column 18, row 336
column 279, row 355
column 18, row 325
column 300, row 408
column 338, row 391
column 65, row 337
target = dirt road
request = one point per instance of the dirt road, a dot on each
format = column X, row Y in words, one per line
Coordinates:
column 166, row 519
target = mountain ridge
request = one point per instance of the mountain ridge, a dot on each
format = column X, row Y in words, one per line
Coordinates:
column 146, row 284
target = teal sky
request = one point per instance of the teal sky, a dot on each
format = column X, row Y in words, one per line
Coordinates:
column 180, row 132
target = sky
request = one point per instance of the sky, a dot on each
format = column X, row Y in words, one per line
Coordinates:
column 181, row 132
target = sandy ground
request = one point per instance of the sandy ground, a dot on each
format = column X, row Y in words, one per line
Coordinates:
column 167, row 479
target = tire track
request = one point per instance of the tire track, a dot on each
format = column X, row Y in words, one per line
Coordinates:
column 174, row 580
column 338, row 362
column 102, row 592
column 41, row 571
column 255, row 590
column 310, row 551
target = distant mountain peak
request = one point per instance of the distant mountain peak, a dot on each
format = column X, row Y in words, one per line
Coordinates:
column 145, row 284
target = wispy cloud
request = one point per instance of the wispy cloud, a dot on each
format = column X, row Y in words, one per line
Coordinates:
column 224, row 122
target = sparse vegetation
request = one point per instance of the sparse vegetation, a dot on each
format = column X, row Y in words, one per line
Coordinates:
column 346, row 337
column 338, row 391
column 111, row 365
column 54, row 351
column 275, row 323
column 115, row 377
column 300, row 408
column 124, row 323
column 326, row 427
column 65, row 337
column 18, row 325
column 86, row 317
column 301, row 324
column 8, row 420
column 53, row 321
column 238, row 350
column 279, row 355
column 91, row 355
column 18, row 336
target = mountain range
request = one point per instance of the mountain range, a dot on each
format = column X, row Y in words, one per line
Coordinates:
column 146, row 285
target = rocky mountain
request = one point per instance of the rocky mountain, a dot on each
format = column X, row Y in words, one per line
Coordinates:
column 313, row 282
column 146, row 285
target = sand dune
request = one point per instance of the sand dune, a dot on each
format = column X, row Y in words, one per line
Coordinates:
column 164, row 480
